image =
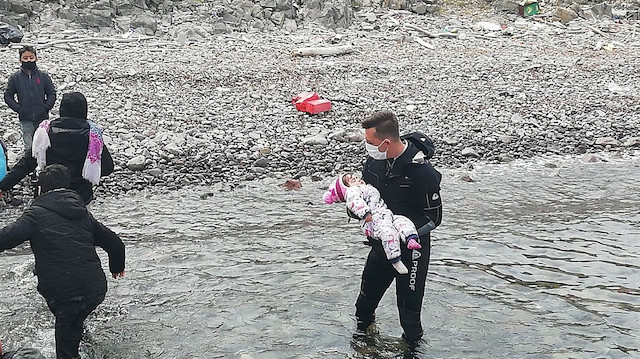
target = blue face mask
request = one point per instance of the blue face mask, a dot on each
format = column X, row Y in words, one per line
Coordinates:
column 374, row 151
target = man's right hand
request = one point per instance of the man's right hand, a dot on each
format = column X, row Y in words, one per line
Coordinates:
column 116, row 275
column 426, row 228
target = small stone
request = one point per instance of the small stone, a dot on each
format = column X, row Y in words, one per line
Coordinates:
column 137, row 163
column 155, row 172
column 370, row 17
column 632, row 142
column 607, row 141
column 261, row 162
column 589, row 158
column 318, row 139
column 292, row 184
column 470, row 152
column 466, row 178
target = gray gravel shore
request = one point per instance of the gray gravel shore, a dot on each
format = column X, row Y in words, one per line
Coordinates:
column 218, row 111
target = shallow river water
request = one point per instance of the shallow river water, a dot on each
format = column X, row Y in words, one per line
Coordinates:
column 530, row 262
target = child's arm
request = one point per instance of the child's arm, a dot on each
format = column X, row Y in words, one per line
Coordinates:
column 112, row 244
column 19, row 231
column 357, row 204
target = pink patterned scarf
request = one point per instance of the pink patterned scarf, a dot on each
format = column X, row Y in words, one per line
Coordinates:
column 92, row 168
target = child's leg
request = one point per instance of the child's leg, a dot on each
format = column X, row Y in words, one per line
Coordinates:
column 407, row 231
column 390, row 238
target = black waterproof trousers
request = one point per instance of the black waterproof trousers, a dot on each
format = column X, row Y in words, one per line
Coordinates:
column 377, row 277
column 70, row 315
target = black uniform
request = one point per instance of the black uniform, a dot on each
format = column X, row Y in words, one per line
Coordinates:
column 410, row 186
column 63, row 236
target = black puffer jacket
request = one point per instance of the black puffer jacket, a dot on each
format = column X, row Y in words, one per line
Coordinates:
column 63, row 237
column 69, row 142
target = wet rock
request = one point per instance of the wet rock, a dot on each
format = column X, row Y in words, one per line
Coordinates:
column 292, row 184
column 506, row 158
column 589, row 158
column 466, row 178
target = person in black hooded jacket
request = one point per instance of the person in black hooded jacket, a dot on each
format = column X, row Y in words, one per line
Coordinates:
column 63, row 236
column 69, row 137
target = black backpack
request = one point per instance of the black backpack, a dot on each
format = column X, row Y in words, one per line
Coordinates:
column 423, row 142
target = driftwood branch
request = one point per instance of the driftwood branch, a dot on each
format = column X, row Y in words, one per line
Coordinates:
column 424, row 43
column 431, row 34
column 93, row 39
column 598, row 31
column 323, row 51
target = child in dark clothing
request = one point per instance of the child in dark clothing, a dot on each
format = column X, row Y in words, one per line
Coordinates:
column 63, row 236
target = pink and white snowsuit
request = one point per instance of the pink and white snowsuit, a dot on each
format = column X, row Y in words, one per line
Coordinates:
column 389, row 228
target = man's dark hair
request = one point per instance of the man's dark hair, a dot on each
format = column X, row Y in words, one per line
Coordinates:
column 27, row 48
column 53, row 177
column 385, row 123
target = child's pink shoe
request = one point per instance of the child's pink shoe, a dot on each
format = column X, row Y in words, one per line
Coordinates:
column 412, row 244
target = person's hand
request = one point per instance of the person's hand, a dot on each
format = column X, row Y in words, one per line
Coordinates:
column 116, row 275
column 426, row 228
column 367, row 218
column 368, row 229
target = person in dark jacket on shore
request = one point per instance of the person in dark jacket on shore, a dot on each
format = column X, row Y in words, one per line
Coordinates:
column 30, row 93
column 63, row 236
column 71, row 141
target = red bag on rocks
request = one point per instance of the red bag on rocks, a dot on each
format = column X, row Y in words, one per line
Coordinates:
column 310, row 102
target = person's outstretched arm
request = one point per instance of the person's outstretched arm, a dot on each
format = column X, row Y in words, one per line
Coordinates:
column 19, row 231
column 25, row 165
column 112, row 244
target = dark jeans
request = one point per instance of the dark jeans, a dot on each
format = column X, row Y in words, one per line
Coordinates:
column 377, row 277
column 70, row 315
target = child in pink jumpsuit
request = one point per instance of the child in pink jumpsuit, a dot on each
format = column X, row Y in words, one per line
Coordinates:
column 376, row 219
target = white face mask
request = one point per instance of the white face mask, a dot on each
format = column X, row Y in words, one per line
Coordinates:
column 374, row 152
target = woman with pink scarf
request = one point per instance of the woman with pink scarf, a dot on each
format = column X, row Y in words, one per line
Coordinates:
column 71, row 141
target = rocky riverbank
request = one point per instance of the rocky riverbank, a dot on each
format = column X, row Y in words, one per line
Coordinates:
column 216, row 110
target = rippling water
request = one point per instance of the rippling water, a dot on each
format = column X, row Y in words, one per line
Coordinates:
column 530, row 262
